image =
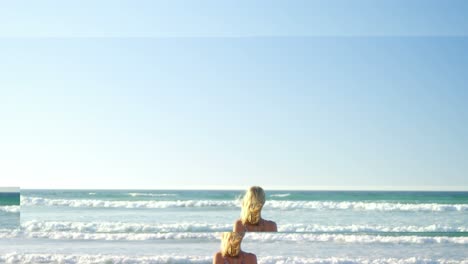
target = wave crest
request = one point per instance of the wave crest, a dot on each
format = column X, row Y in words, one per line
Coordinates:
column 280, row 205
column 152, row 194
column 262, row 237
column 10, row 208
column 62, row 258
column 122, row 227
column 34, row 201
column 119, row 227
column 365, row 206
column 369, row 228
column 280, row 195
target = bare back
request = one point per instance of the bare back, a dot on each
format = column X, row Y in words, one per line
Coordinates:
column 262, row 226
column 243, row 258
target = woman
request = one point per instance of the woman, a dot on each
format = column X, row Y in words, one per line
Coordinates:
column 231, row 252
column 251, row 219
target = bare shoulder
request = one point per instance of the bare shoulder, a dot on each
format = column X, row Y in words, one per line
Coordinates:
column 218, row 258
column 238, row 226
column 270, row 226
column 250, row 258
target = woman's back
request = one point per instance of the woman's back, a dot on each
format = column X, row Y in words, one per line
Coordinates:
column 242, row 258
column 262, row 226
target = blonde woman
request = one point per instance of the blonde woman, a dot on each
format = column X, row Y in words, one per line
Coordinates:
column 251, row 219
column 231, row 252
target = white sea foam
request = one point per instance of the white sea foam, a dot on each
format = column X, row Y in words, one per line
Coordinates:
column 123, row 236
column 70, row 259
column 91, row 193
column 119, row 227
column 9, row 233
column 280, row 195
column 340, row 260
column 348, row 238
column 280, row 205
column 365, row 206
column 152, row 194
column 263, row 237
column 369, row 228
column 10, row 208
column 31, row 201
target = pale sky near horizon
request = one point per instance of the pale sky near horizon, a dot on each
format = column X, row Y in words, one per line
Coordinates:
column 299, row 111
column 9, row 189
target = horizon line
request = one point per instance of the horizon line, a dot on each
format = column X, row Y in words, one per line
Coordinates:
column 275, row 188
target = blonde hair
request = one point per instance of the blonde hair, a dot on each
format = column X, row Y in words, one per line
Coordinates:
column 230, row 244
column 252, row 204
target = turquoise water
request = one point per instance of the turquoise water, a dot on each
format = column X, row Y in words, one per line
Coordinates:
column 9, row 211
column 126, row 195
column 9, row 198
column 315, row 226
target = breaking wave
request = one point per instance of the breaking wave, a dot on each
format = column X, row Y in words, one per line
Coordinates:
column 280, row 195
column 118, row 227
column 32, row 201
column 263, row 237
column 71, row 259
column 369, row 228
column 121, row 227
column 281, row 205
column 10, row 208
column 152, row 194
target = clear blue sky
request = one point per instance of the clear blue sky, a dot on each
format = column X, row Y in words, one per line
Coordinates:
column 297, row 110
column 188, row 18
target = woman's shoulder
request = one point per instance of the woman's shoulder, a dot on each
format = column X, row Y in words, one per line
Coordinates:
column 270, row 226
column 265, row 225
column 218, row 257
column 250, row 258
column 238, row 226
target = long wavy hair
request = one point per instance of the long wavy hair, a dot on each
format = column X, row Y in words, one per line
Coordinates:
column 230, row 244
column 252, row 205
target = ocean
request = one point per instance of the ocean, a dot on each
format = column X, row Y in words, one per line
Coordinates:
column 9, row 211
column 180, row 226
